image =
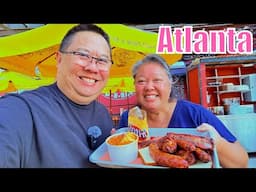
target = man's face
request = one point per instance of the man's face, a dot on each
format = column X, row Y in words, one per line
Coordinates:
column 83, row 68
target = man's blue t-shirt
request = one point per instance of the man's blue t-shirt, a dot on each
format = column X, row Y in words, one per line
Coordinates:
column 42, row 128
column 190, row 115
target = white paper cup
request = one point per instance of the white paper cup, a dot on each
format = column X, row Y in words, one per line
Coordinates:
column 122, row 153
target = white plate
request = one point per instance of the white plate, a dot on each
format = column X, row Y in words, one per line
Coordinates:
column 97, row 155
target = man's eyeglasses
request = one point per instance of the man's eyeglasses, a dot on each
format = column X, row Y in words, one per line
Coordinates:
column 102, row 63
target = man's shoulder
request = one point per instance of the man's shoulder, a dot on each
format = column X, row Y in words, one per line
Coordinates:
column 11, row 98
column 40, row 93
column 34, row 97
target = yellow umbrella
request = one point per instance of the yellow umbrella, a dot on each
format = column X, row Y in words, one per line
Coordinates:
column 122, row 84
column 12, row 81
column 7, row 87
column 36, row 48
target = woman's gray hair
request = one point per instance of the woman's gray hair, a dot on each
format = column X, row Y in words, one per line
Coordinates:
column 152, row 58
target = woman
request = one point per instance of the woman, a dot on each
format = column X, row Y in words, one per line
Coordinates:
column 153, row 85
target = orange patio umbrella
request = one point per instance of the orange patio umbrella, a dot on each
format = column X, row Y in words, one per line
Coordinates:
column 36, row 48
column 32, row 53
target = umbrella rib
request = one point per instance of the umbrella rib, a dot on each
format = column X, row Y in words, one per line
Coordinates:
column 39, row 62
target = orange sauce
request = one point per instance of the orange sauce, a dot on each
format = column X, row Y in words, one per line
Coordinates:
column 122, row 139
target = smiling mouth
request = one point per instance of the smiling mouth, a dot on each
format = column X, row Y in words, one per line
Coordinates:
column 150, row 96
column 88, row 80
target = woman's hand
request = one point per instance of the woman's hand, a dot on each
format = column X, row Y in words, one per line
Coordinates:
column 231, row 155
column 214, row 134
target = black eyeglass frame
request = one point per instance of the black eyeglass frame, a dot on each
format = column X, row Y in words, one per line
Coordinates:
column 87, row 55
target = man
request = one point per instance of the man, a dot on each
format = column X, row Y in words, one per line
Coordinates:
column 61, row 124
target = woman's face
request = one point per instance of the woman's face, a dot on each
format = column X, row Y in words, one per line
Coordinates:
column 152, row 86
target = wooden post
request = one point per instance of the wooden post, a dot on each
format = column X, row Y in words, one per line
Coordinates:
column 110, row 101
column 128, row 104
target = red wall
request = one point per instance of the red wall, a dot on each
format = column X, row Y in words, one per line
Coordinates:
column 118, row 100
